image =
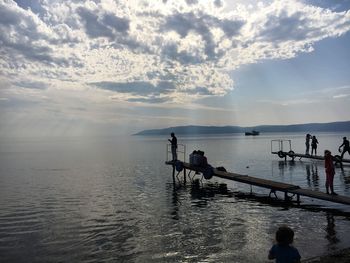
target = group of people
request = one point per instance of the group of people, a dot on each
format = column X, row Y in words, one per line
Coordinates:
column 345, row 145
column 328, row 159
column 314, row 143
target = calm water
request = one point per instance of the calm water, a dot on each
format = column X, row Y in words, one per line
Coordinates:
column 113, row 200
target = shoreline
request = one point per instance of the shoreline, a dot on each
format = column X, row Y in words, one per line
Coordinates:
column 339, row 256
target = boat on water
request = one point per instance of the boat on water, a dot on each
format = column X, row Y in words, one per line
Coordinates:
column 254, row 133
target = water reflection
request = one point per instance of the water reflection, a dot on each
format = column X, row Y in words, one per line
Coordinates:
column 312, row 176
column 175, row 202
column 281, row 166
column 331, row 235
column 202, row 222
column 344, row 176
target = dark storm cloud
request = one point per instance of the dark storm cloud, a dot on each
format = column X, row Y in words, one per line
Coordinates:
column 183, row 23
column 140, row 88
column 108, row 25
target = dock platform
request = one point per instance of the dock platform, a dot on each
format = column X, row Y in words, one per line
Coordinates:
column 282, row 153
column 274, row 186
column 293, row 155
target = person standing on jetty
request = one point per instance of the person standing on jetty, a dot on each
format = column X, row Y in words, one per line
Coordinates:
column 307, row 143
column 283, row 251
column 329, row 167
column 173, row 142
column 314, row 143
column 346, row 147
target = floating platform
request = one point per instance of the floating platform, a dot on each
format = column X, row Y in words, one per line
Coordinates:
column 274, row 186
column 293, row 155
column 283, row 144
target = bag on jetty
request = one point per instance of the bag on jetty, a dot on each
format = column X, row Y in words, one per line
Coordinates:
column 208, row 172
column 197, row 158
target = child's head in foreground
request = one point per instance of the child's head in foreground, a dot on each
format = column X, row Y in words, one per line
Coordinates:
column 284, row 236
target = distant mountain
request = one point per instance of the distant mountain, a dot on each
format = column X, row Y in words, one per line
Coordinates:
column 308, row 127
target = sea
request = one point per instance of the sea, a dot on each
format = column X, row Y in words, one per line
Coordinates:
column 113, row 199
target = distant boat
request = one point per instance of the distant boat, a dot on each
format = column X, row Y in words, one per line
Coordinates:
column 252, row 133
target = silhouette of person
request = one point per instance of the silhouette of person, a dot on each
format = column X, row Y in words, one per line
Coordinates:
column 283, row 251
column 173, row 142
column 329, row 167
column 346, row 147
column 307, row 143
column 314, row 143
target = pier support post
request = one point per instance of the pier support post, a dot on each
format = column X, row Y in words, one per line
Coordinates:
column 174, row 173
column 184, row 175
column 298, row 199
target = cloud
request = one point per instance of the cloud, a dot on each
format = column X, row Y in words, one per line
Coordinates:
column 149, row 100
column 31, row 84
column 202, row 24
column 102, row 25
column 199, row 91
column 154, row 51
column 24, row 35
column 340, row 96
column 137, row 88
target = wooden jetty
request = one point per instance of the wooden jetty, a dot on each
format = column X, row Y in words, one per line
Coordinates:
column 274, row 186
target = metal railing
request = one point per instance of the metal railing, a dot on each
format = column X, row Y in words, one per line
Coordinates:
column 281, row 144
column 181, row 151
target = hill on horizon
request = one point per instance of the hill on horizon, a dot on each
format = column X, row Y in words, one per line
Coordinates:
column 196, row 129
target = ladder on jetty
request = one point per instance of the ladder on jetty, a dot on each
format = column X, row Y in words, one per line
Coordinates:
column 269, row 184
column 282, row 153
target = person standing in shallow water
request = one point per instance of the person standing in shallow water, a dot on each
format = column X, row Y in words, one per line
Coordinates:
column 283, row 251
column 173, row 142
column 346, row 147
column 314, row 143
column 307, row 144
column 330, row 171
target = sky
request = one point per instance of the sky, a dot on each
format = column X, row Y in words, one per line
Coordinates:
column 104, row 67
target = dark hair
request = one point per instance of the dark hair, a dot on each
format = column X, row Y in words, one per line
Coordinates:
column 344, row 138
column 284, row 235
column 172, row 134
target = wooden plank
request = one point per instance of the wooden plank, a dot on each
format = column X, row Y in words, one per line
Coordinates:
column 323, row 196
column 255, row 181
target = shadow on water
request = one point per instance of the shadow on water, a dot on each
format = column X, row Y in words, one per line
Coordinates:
column 207, row 191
